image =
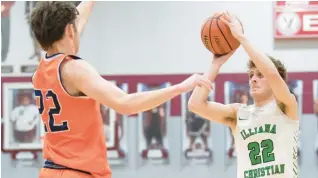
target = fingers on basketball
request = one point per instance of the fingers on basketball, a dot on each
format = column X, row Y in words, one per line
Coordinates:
column 227, row 16
column 217, row 36
column 225, row 21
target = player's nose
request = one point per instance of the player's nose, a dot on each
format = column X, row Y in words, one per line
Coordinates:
column 254, row 79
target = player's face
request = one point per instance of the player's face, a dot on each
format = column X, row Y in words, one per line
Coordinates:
column 73, row 37
column 259, row 86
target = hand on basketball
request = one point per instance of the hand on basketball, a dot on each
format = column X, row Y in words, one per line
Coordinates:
column 220, row 60
column 234, row 24
column 195, row 80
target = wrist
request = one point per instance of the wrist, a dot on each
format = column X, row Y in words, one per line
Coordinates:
column 216, row 65
column 213, row 71
column 178, row 88
column 242, row 39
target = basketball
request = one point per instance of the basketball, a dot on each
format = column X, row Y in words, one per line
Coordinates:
column 217, row 37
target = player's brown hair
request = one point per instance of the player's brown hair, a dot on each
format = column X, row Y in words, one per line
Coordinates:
column 278, row 64
column 49, row 19
column 281, row 70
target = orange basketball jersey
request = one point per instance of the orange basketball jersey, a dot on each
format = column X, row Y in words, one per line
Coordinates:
column 74, row 130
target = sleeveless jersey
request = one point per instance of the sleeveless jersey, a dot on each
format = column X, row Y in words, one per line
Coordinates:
column 74, row 135
column 266, row 142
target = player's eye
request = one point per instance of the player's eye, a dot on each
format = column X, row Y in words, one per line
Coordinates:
column 260, row 75
column 250, row 75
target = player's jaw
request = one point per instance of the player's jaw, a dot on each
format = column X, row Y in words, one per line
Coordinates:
column 73, row 37
column 254, row 90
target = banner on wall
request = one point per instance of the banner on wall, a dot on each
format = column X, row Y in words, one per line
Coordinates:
column 20, row 51
column 115, row 125
column 295, row 19
column 196, row 133
column 17, row 57
column 153, row 141
column 23, row 127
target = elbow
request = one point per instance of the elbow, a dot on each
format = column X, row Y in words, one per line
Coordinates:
column 190, row 106
column 193, row 105
column 120, row 106
column 125, row 109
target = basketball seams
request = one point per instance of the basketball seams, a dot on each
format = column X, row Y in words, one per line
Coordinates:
column 214, row 33
column 202, row 29
column 202, row 34
column 217, row 23
column 216, row 53
column 219, row 16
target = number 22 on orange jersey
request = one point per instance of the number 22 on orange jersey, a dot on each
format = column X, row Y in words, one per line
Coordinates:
column 56, row 110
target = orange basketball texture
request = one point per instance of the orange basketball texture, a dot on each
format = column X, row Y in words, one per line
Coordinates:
column 217, row 37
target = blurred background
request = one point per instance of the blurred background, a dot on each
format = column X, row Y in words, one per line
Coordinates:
column 142, row 46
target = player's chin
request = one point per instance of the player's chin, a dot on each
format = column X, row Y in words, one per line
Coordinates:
column 255, row 92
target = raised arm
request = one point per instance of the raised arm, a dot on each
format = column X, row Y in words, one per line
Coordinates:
column 86, row 79
column 84, row 9
column 264, row 64
column 198, row 103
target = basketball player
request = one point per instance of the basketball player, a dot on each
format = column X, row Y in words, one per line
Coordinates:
column 69, row 93
column 266, row 132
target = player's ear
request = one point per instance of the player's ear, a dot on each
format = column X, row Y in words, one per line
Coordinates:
column 70, row 30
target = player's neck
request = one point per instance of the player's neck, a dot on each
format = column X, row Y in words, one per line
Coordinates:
column 263, row 102
column 60, row 47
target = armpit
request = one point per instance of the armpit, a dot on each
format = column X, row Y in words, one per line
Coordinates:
column 231, row 121
column 282, row 107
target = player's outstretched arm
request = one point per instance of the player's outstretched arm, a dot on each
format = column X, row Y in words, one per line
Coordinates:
column 264, row 64
column 86, row 79
column 224, row 114
column 84, row 9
